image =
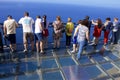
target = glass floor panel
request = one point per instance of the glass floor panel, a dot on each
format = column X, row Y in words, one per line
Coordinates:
column 118, row 63
column 66, row 61
column 94, row 72
column 57, row 64
column 110, row 69
column 48, row 63
column 75, row 73
column 52, row 76
column 98, row 58
column 60, row 52
column 112, row 56
column 28, row 77
column 28, row 66
column 8, row 78
column 84, row 60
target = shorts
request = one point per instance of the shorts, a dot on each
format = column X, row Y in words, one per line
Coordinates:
column 27, row 36
column 75, row 40
column 38, row 36
column 11, row 38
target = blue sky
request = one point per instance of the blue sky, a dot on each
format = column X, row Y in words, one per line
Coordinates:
column 99, row 3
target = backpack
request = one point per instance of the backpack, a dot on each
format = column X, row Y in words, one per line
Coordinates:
column 70, row 30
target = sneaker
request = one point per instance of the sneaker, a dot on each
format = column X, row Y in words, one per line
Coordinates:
column 42, row 52
column 92, row 44
column 106, row 48
column 77, row 59
column 72, row 51
column 25, row 51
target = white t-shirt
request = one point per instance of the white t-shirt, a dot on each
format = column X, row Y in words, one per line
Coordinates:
column 37, row 26
column 10, row 26
column 26, row 23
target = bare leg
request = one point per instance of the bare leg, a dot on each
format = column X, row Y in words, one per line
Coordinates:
column 74, row 47
column 41, row 46
column 14, row 46
column 11, row 47
column 37, row 46
column 25, row 46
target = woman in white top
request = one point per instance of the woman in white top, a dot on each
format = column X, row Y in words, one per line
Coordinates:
column 38, row 34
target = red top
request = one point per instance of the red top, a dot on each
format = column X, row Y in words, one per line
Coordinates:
column 97, row 31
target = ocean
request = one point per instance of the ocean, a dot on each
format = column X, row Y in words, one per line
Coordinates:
column 76, row 12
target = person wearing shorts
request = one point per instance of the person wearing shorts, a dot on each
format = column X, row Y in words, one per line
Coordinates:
column 74, row 45
column 27, row 23
column 10, row 32
column 75, row 39
column 38, row 34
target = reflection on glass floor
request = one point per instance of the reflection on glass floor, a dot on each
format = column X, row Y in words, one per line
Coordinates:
column 60, row 65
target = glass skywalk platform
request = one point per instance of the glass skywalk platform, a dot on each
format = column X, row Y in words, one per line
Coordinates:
column 60, row 64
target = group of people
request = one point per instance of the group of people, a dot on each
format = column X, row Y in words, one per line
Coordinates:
column 41, row 32
column 80, row 35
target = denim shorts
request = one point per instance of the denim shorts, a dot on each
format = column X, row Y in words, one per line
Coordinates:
column 38, row 36
column 75, row 40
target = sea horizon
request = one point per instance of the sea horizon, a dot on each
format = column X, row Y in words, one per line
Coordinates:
column 76, row 12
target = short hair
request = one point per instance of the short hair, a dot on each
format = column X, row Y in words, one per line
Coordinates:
column 116, row 18
column 26, row 14
column 38, row 16
column 69, row 19
column 108, row 18
column 87, row 17
column 9, row 16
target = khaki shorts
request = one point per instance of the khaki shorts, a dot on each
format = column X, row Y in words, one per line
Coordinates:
column 27, row 36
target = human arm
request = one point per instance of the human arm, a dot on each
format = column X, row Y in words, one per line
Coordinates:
column 76, row 31
column 4, row 29
column 16, row 24
column 20, row 21
column 87, row 36
column 94, row 23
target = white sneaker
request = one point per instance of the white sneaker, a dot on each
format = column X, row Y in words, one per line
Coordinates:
column 24, row 50
column 106, row 48
column 92, row 44
column 72, row 51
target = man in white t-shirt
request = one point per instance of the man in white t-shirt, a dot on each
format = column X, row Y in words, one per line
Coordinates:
column 10, row 32
column 38, row 34
column 27, row 23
